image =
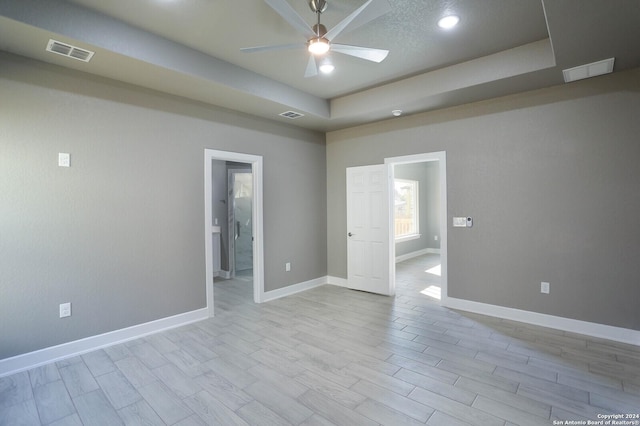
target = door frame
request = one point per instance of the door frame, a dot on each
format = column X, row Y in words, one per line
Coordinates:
column 441, row 158
column 257, row 218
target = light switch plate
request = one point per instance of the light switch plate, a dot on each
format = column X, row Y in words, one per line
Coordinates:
column 64, row 159
column 65, row 310
column 459, row 222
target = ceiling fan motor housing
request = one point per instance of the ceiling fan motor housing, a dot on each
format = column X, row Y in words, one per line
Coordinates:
column 320, row 30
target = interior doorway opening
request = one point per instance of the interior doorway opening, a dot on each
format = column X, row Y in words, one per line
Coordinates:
column 233, row 282
column 239, row 229
column 419, row 260
column 233, row 226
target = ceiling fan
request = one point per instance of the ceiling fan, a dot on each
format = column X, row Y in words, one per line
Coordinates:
column 319, row 40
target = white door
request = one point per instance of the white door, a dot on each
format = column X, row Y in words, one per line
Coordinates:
column 368, row 229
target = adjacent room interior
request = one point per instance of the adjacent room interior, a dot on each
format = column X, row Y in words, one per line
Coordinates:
column 205, row 220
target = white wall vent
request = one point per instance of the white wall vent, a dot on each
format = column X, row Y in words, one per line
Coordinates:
column 69, row 51
column 588, row 70
column 291, row 114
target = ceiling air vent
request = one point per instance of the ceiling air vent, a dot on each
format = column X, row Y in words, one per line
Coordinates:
column 291, row 114
column 69, row 51
column 589, row 70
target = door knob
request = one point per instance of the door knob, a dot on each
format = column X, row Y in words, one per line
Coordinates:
column 350, row 234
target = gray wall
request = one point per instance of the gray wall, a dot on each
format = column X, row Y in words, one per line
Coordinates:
column 120, row 234
column 552, row 180
column 426, row 173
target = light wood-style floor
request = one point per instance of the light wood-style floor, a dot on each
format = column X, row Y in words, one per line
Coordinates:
column 335, row 356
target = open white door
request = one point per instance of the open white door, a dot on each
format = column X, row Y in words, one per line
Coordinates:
column 368, row 229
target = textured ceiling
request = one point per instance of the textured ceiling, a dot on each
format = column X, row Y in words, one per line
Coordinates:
column 191, row 48
column 409, row 32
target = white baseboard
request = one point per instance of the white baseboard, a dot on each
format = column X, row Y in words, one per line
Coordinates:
column 601, row 331
column 417, row 253
column 44, row 356
column 293, row 289
column 340, row 282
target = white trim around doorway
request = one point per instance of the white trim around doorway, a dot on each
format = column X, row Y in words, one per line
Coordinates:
column 257, row 212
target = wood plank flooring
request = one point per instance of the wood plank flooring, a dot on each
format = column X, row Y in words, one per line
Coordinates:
column 335, row 356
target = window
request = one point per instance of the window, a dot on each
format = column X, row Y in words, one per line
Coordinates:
column 406, row 209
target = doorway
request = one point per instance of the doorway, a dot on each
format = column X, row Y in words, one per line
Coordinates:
column 423, row 265
column 240, row 223
column 251, row 219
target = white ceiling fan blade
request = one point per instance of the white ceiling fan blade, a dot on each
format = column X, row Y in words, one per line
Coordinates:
column 369, row 11
column 272, row 47
column 368, row 53
column 287, row 12
column 312, row 67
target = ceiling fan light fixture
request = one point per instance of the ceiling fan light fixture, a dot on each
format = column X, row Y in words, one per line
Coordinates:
column 448, row 22
column 319, row 46
column 319, row 40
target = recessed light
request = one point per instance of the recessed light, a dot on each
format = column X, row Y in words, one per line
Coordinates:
column 396, row 112
column 448, row 22
column 326, row 66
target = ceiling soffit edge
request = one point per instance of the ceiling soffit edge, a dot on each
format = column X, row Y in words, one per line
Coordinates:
column 108, row 33
column 524, row 59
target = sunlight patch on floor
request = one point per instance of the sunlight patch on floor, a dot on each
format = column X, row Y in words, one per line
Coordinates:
column 432, row 291
column 434, row 271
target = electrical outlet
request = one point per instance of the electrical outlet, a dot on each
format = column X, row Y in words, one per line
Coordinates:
column 287, row 267
column 544, row 287
column 435, row 237
column 65, row 310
